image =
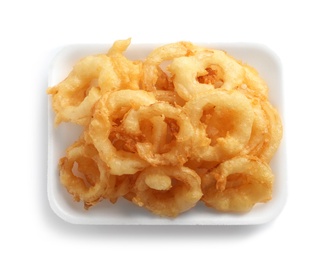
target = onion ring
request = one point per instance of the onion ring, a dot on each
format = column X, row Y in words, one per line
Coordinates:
column 109, row 111
column 225, row 129
column 74, row 97
column 174, row 152
column 128, row 72
column 254, row 85
column 186, row 70
column 151, row 66
column 91, row 185
column 274, row 134
column 238, row 184
column 92, row 76
column 266, row 131
column 167, row 190
column 259, row 132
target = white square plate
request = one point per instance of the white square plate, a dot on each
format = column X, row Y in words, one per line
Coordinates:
column 126, row 213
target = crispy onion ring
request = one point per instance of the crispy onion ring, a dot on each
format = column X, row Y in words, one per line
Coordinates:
column 128, row 72
column 74, row 97
column 186, row 71
column 266, row 133
column 109, row 112
column 253, row 85
column 222, row 121
column 274, row 134
column 238, row 184
column 167, row 190
column 90, row 181
column 259, row 133
column 94, row 75
column 152, row 72
column 167, row 123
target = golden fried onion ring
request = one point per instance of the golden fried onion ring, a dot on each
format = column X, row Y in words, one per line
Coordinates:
column 152, row 71
column 274, row 133
column 238, row 184
column 109, row 111
column 74, row 97
column 222, row 121
column 260, row 133
column 186, row 70
column 253, row 84
column 89, row 182
column 92, row 76
column 168, row 123
column 128, row 72
column 167, row 190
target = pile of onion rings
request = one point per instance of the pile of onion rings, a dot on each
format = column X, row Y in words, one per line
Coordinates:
column 186, row 124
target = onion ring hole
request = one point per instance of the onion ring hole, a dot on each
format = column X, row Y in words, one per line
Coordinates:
column 218, row 123
column 214, row 76
column 87, row 170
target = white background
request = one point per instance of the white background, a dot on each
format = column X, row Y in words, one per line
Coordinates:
column 33, row 31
